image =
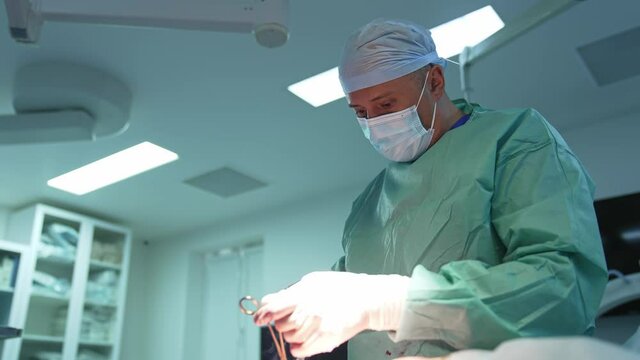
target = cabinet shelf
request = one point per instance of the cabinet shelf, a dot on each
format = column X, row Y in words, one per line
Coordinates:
column 57, row 260
column 6, row 290
column 95, row 343
column 102, row 265
column 49, row 298
column 43, row 338
column 100, row 304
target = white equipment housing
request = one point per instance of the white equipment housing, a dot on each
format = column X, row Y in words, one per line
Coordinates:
column 267, row 19
column 59, row 102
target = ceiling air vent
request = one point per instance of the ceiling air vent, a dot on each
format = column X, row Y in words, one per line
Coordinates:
column 614, row 58
column 225, row 182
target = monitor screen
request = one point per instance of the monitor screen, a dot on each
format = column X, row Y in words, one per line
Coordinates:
column 619, row 222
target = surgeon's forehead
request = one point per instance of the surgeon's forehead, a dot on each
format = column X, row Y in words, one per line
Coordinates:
column 380, row 91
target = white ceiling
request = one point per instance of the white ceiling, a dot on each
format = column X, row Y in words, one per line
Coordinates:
column 218, row 99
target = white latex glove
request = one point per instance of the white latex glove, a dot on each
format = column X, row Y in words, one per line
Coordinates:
column 325, row 309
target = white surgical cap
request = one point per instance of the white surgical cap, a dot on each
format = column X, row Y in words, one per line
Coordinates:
column 384, row 50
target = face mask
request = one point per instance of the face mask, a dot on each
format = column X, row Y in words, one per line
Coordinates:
column 399, row 136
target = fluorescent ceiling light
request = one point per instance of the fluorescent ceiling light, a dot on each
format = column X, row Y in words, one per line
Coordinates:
column 319, row 89
column 450, row 39
column 113, row 168
column 468, row 30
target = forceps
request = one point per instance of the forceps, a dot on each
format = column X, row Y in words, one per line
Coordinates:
column 279, row 341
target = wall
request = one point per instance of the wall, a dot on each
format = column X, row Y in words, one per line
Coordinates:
column 610, row 151
column 4, row 214
column 134, row 345
column 297, row 239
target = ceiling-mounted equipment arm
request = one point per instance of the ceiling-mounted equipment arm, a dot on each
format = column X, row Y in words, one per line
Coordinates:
column 51, row 126
column 58, row 102
column 24, row 21
column 267, row 19
column 536, row 15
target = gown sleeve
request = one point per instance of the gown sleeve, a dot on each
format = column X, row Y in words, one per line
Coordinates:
column 553, row 274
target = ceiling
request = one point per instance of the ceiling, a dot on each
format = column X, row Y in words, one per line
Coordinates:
column 219, row 99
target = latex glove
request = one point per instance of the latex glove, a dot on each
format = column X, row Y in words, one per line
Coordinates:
column 325, row 309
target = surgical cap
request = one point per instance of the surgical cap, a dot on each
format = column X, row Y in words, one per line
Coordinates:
column 384, row 50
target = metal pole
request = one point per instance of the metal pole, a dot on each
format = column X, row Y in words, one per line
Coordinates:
column 536, row 15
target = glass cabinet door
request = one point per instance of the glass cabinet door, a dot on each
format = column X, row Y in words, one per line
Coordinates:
column 9, row 265
column 48, row 311
column 103, row 286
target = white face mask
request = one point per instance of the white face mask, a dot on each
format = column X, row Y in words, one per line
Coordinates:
column 399, row 136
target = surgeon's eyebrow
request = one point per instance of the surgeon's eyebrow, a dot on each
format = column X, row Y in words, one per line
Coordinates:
column 381, row 96
column 384, row 95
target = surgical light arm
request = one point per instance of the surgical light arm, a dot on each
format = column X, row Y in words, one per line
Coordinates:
column 24, row 22
column 267, row 19
column 536, row 15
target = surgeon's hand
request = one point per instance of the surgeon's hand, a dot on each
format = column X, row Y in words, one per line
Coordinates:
column 325, row 309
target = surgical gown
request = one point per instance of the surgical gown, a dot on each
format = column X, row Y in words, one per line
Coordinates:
column 495, row 225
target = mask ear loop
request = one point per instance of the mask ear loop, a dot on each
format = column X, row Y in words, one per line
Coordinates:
column 433, row 117
column 423, row 87
column 435, row 104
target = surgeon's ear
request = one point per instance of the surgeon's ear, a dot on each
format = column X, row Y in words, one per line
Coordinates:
column 436, row 82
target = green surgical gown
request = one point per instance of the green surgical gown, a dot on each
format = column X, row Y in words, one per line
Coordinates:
column 495, row 225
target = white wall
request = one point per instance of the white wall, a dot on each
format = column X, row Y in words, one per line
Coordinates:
column 4, row 217
column 134, row 339
column 610, row 150
column 297, row 239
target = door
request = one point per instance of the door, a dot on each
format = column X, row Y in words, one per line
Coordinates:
column 228, row 276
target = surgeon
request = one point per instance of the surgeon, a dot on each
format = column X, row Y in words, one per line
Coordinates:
column 480, row 230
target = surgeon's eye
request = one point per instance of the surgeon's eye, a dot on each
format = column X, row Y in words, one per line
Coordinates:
column 387, row 106
column 361, row 113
